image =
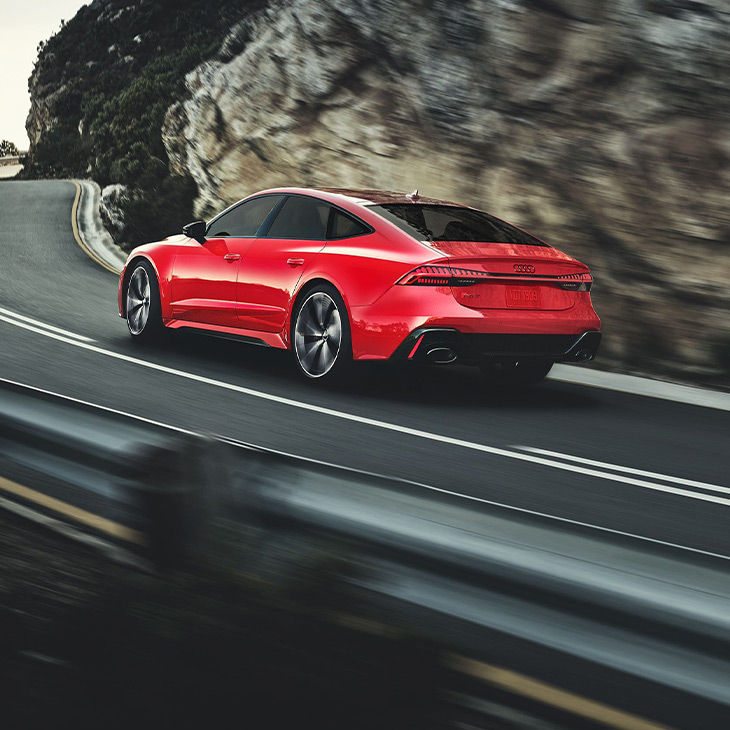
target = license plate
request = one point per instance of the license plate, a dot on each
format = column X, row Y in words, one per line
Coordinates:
column 523, row 297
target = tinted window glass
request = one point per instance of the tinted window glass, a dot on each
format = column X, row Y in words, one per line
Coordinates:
column 451, row 223
column 301, row 217
column 245, row 219
column 343, row 226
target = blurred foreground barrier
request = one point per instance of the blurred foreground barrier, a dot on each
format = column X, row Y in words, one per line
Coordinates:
column 470, row 578
column 104, row 473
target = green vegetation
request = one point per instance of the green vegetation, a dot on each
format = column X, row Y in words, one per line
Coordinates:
column 108, row 77
column 8, row 149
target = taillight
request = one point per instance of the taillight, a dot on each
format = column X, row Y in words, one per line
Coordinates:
column 442, row 276
column 453, row 276
column 576, row 282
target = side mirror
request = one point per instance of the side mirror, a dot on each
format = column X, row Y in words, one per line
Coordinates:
column 195, row 230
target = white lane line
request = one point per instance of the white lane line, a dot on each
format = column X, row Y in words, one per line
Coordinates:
column 469, row 497
column 38, row 323
column 626, row 469
column 385, row 425
column 635, row 385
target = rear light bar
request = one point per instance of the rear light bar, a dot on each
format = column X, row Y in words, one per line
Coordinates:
column 453, row 276
column 443, row 276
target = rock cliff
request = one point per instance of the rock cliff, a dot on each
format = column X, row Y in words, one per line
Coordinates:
column 602, row 127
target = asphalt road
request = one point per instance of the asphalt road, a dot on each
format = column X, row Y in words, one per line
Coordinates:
column 438, row 427
column 647, row 468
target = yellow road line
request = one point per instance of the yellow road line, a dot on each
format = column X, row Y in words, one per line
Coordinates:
column 77, row 236
column 75, row 513
column 520, row 684
column 551, row 695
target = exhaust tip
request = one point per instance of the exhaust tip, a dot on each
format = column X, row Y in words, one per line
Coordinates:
column 441, row 355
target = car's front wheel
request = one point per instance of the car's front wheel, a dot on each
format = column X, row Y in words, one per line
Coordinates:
column 321, row 333
column 144, row 316
column 514, row 375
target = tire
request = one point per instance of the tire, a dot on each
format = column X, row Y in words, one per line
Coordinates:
column 320, row 334
column 142, row 303
column 514, row 375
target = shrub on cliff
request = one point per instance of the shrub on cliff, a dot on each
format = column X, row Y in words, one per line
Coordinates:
column 100, row 89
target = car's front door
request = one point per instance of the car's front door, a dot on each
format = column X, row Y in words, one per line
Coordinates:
column 204, row 275
column 276, row 261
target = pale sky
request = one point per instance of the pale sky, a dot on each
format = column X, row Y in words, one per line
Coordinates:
column 23, row 23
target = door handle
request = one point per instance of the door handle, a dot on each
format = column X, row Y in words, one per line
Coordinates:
column 232, row 256
column 295, row 262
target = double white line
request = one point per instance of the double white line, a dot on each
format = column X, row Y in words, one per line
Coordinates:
column 614, row 472
column 35, row 325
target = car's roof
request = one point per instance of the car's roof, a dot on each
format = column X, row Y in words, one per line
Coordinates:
column 385, row 196
column 358, row 196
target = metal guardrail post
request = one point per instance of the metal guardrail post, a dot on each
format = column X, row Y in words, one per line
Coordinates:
column 178, row 494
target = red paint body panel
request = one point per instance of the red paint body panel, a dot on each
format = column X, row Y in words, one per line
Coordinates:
column 267, row 281
column 203, row 286
column 253, row 295
column 379, row 329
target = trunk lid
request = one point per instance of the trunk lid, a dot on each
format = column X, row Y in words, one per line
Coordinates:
column 516, row 276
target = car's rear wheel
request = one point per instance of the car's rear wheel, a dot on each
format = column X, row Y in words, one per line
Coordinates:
column 144, row 316
column 321, row 334
column 514, row 375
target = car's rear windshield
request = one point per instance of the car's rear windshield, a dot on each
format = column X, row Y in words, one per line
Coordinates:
column 429, row 222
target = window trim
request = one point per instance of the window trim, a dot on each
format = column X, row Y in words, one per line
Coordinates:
column 271, row 217
column 231, row 208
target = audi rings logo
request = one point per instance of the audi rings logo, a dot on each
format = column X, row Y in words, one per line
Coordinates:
column 524, row 268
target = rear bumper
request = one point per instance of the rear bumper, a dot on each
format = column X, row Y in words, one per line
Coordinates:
column 379, row 329
column 423, row 343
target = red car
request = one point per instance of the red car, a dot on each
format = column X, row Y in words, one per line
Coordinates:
column 341, row 275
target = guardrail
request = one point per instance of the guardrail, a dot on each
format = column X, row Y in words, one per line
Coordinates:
column 467, row 575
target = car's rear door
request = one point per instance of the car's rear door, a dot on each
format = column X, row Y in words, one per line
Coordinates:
column 204, row 275
column 276, row 261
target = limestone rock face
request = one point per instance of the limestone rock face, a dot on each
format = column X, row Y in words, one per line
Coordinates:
column 42, row 116
column 602, row 127
column 111, row 208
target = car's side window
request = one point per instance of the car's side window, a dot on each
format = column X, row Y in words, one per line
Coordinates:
column 245, row 219
column 345, row 226
column 301, row 217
